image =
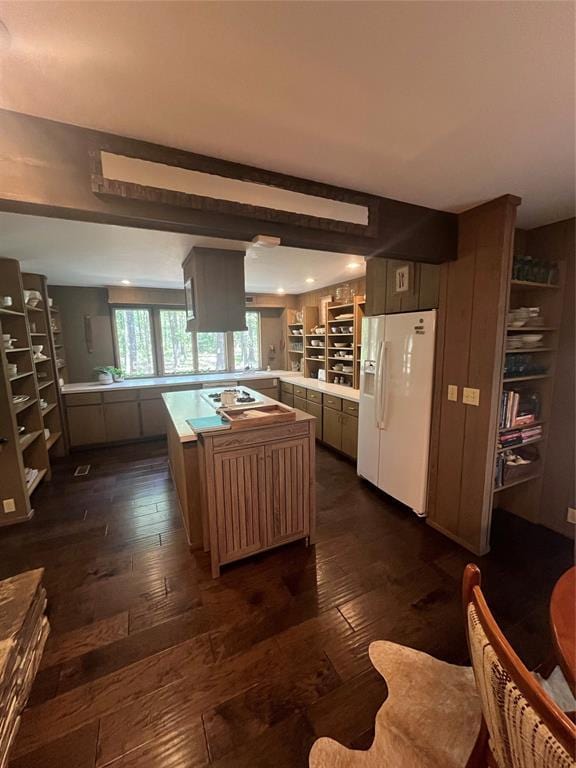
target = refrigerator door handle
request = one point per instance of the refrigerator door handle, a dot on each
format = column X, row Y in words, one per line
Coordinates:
column 385, row 395
column 379, row 382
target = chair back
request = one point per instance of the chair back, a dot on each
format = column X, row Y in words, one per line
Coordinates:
column 526, row 729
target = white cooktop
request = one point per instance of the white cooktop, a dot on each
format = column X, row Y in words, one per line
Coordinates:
column 208, row 396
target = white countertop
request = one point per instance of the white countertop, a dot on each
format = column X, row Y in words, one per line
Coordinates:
column 215, row 378
column 322, row 386
column 172, row 381
column 192, row 405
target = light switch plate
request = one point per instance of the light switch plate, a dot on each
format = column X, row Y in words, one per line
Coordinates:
column 9, row 506
column 453, row 393
column 571, row 516
column 471, row 396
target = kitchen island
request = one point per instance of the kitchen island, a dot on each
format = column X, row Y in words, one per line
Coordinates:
column 241, row 491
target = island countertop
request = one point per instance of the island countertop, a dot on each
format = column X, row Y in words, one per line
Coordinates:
column 191, row 405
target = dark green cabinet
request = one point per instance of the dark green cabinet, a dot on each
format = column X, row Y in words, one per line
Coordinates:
column 340, row 431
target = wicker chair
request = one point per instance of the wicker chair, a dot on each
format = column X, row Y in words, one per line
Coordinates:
column 435, row 716
column 523, row 727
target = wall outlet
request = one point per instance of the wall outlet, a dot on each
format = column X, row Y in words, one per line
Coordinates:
column 571, row 516
column 470, row 396
column 453, row 393
column 9, row 506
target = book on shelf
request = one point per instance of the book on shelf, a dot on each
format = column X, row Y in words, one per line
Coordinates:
column 517, row 409
column 519, row 437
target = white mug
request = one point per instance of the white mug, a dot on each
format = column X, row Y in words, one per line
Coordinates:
column 6, row 301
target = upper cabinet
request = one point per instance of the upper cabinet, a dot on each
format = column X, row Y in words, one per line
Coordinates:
column 400, row 286
column 214, row 288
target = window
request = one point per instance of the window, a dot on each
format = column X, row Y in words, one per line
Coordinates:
column 247, row 344
column 134, row 342
column 152, row 341
column 177, row 351
column 211, row 351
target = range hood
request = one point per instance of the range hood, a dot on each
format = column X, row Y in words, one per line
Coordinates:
column 215, row 290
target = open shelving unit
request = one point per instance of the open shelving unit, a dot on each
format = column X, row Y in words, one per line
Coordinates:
column 22, row 443
column 295, row 339
column 46, row 369
column 344, row 335
column 521, row 495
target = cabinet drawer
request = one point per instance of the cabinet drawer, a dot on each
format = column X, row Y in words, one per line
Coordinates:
column 316, row 397
column 300, row 391
column 333, row 402
column 84, row 398
column 350, row 407
column 299, row 403
column 121, row 396
column 151, row 393
column 285, row 387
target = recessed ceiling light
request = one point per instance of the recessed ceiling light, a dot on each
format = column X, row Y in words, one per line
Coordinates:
column 353, row 265
column 280, row 290
column 125, row 282
column 310, row 279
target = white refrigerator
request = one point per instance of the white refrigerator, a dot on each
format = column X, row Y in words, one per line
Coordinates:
column 396, row 379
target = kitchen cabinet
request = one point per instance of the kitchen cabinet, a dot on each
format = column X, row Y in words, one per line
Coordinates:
column 340, row 431
column 315, row 409
column 122, row 421
column 215, row 295
column 331, row 428
column 86, row 425
column 240, row 496
column 287, row 490
column 349, row 426
column 258, row 489
column 299, row 402
column 152, row 417
column 287, row 398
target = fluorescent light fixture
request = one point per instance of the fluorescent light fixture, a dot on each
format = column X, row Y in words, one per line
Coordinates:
column 125, row 282
column 280, row 290
column 310, row 279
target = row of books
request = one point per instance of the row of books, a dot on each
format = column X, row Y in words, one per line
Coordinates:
column 519, row 436
column 512, row 414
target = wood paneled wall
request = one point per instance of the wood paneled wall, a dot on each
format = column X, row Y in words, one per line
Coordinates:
column 470, row 342
column 381, row 298
column 313, row 298
column 557, row 243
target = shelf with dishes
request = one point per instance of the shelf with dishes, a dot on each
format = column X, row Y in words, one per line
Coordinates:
column 530, row 351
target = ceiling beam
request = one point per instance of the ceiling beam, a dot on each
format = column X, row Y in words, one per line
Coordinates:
column 49, row 169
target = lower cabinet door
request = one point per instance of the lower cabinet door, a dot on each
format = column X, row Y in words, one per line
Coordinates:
column 240, row 503
column 86, row 425
column 299, row 403
column 287, row 398
column 332, row 428
column 153, row 416
column 287, row 490
column 350, row 435
column 315, row 409
column 122, row 421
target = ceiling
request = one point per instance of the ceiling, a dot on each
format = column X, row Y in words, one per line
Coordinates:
column 444, row 104
column 85, row 254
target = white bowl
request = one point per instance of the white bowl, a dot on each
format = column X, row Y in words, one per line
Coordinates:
column 37, row 349
column 342, row 344
column 532, row 338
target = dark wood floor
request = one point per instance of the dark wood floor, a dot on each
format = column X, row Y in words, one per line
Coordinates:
column 152, row 663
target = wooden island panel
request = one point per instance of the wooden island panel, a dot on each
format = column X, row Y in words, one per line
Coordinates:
column 258, row 488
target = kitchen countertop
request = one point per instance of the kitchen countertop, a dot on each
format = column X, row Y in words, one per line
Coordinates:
column 172, row 381
column 322, row 386
column 190, row 404
column 215, row 379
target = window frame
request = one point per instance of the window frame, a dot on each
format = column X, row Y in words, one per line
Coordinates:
column 156, row 338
